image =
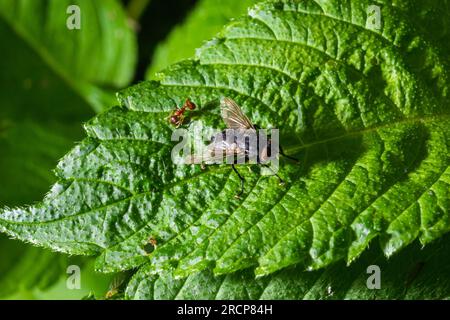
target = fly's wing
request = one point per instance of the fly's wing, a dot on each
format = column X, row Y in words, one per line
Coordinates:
column 216, row 153
column 233, row 116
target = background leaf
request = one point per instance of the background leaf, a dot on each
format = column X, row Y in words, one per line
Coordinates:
column 365, row 110
column 24, row 267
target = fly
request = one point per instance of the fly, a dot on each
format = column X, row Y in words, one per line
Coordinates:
column 236, row 142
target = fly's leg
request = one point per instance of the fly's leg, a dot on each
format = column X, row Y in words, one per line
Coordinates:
column 238, row 196
column 286, row 156
column 281, row 181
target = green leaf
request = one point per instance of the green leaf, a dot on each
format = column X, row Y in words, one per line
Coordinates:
column 102, row 53
column 366, row 111
column 206, row 19
column 51, row 80
column 431, row 17
column 415, row 273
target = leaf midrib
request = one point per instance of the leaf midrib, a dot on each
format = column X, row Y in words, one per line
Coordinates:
column 425, row 119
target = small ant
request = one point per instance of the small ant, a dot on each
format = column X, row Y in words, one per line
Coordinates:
column 153, row 242
column 177, row 115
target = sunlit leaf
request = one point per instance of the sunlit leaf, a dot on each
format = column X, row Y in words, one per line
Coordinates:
column 365, row 110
